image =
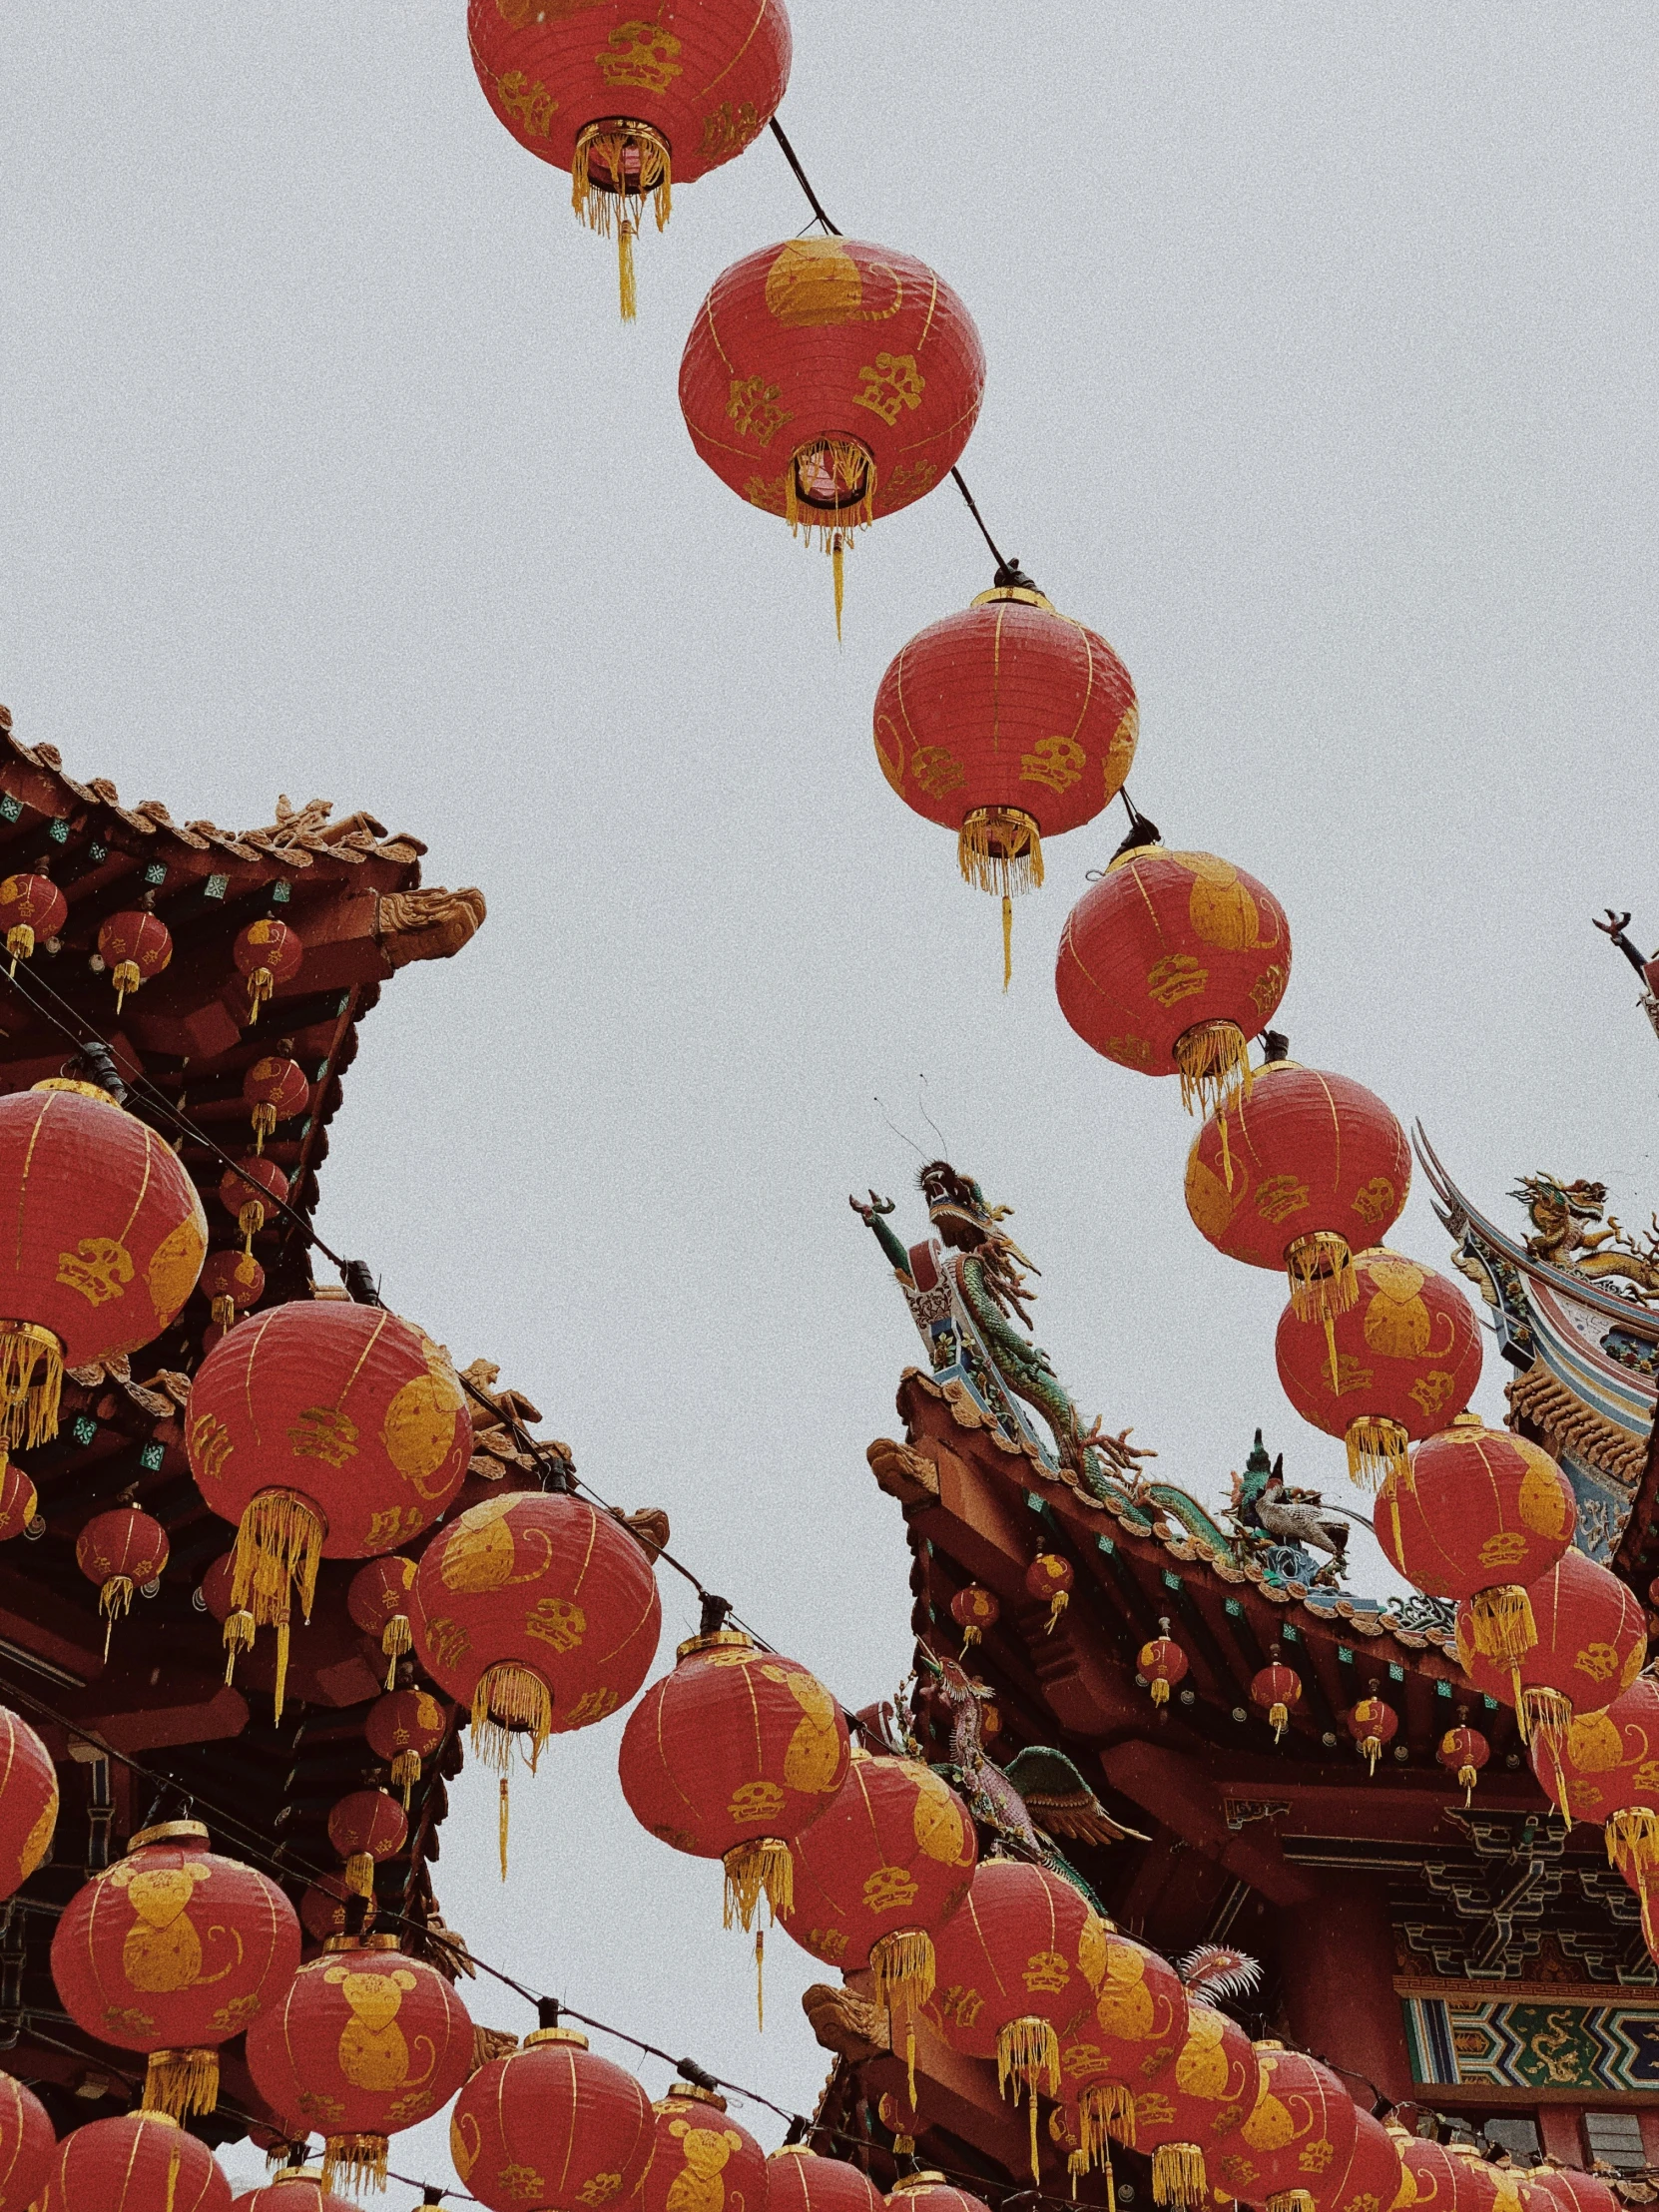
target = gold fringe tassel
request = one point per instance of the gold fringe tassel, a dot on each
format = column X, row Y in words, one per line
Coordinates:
column 1007, row 940
column 761, row 1868
column 1214, row 1060
column 840, row 475
column 970, row 1636
column 1159, row 1689
column 279, row 1545
column 598, row 200
column 225, row 1312
column 1056, row 1606
column 1028, row 2055
column 20, row 943
column 239, row 1637
column 1633, row 1841
column 31, row 1379
column 1323, row 1280
column 759, row 1981
column 1104, row 2110
column 902, row 1964
column 1289, row 2200
column 359, row 1874
column 264, row 1123
column 1371, row 1750
column 1468, row 1778
column 838, row 569
column 1502, row 1622
column 626, row 289
column 396, row 1639
column 354, row 2163
column 281, row 1691
column 1000, row 849
column 1278, row 1717
column 1377, row 1448
column 173, row 2162
column 180, row 2083
column 125, row 979
column 510, row 1697
column 260, row 985
column 406, row 1773
column 503, row 1821
column 1178, row 2176
column 115, row 1602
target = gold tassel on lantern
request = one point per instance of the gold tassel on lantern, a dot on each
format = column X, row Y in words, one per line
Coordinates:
column 1633, row 1841
column 115, row 1602
column 278, row 1544
column 1289, row 2200
column 281, row 1691
column 1278, row 1719
column 1159, row 1689
column 397, row 1638
column 1323, row 1279
column 1214, row 1060
column 238, row 1636
column 903, row 1966
column 1028, row 2053
column 31, row 1379
column 406, row 1773
column 354, row 2163
column 126, row 977
column 1056, row 1606
column 250, row 1220
column 20, row 943
column 618, row 165
column 761, row 1868
column 178, row 2083
column 1371, row 1750
column 1503, row 1626
column 260, row 985
column 830, row 489
column 1178, row 2176
column 1000, row 849
column 503, row 1819
column 1105, row 2109
column 510, row 1697
column 1468, row 1777
column 225, row 1312
column 1377, row 1448
column 263, row 1119
column 359, row 1874
column 625, row 270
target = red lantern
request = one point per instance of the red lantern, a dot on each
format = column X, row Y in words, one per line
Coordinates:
column 1161, row 1663
column 1408, row 1360
column 696, row 2140
column 1579, row 2192
column 325, row 1430
column 1017, row 1964
column 931, row 2192
column 364, row 1828
column 974, row 1610
column 1439, row 2181
column 121, row 1551
column 233, row 1282
column 322, row 1907
column 277, row 1090
column 134, row 947
column 268, row 952
column 581, row 2126
column 1008, row 723
column 631, row 107
column 875, row 1875
column 1374, row 1725
column 172, row 1952
column 105, row 1244
column 1372, row 2180
column 730, row 1757
column 1608, row 1762
column 1050, row 1576
column 404, row 1728
column 1199, row 2100
column 18, row 1508
column 829, row 381
column 379, row 1601
column 1137, row 2023
column 28, row 1803
column 1302, row 2128
column 363, row 2044
column 28, row 2147
column 1276, row 1689
column 31, row 906
column 797, row 2180
column 295, row 2189
column 144, row 2162
column 1464, row 1751
column 246, row 1192
column 218, row 1588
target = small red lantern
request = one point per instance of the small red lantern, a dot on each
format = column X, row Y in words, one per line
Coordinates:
column 218, row 1588
column 1276, row 1689
column 134, row 947
column 364, row 1828
column 233, row 1282
column 730, row 1757
column 268, row 952
column 250, row 1192
column 172, row 1952
column 295, row 2189
column 1408, row 1362
column 403, row 1728
column 1162, row 1664
column 1008, row 723
column 363, row 2043
column 19, row 1507
column 1607, row 1765
column 1052, row 1577
column 1198, row 2100
column 830, row 382
column 1303, row 2126
column 143, row 2162
column 629, row 107
column 1374, row 1725
column 1464, row 1751
column 974, row 1610
column 106, row 1241
column 696, row 2139
column 28, row 2147
column 28, row 1803
column 277, row 1090
column 799, row 2180
column 121, row 1551
column 31, row 907
column 1372, row 2178
column 1137, row 2023
column 379, row 1601
column 1170, row 963
column 322, row 1907
column 581, row 2126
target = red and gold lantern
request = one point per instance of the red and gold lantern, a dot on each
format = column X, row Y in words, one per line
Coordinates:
column 1439, row 2182
column 1161, row 1664
column 830, row 382
column 366, row 1826
column 379, row 1601
column 1050, row 1579
column 295, row 2189
column 232, row 1282
column 1137, row 2023
column 363, row 2043
column 1372, row 2179
column 799, row 2180
column 629, row 107
column 31, row 907
column 1203, row 2094
column 19, row 1507
column 28, row 1803
column 1374, row 1725
column 135, row 948
column 250, row 1192
column 275, row 1090
column 218, row 1588
column 322, row 1907
column 1276, row 1689
column 696, row 2139
column 1302, row 2128
column 403, row 1728
column 1407, row 1360
column 1576, row 2192
column 105, row 1243
column 144, row 2162
column 122, row 1552
column 975, row 1609
column 1463, row 1751
column 172, row 1952
column 581, row 2127
column 28, row 2147
column 1606, row 1769
column 268, row 952
column 931, row 2192
column 1009, row 723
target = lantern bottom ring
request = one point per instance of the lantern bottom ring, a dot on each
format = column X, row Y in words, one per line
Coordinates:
column 31, row 1380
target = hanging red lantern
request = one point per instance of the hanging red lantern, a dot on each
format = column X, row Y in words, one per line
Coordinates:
column 1372, row 2181
column 28, row 1803
column 1408, row 1360
column 1577, row 2192
column 1050, row 1578
column 581, row 2127
column 931, row 2192
column 799, row 2180
column 877, row 1875
column 1009, row 723
column 629, row 107
column 28, row 2147
column 364, row 2042
column 250, row 1192
column 31, row 909
column 403, row 1728
column 232, row 1282
column 1276, row 1689
column 974, row 1610
column 730, row 1756
column 19, row 1507
column 366, row 1827
column 322, row 1907
column 1302, row 2128
column 1199, row 2100
column 696, row 2139
column 1161, row 1664
column 380, row 1600
column 135, row 948
column 1374, row 1725
column 1170, row 963
column 277, row 1090
column 1606, row 1768
column 1018, row 1962
column 121, row 1551
column 295, row 2189
column 1137, row 2023
column 323, row 1430
column 268, row 952
column 106, row 1241
column 143, row 2162
column 172, row 1952
column 1464, row 1751
column 1479, row 1515
column 830, row 382
column 218, row 1596
column 1439, row 2180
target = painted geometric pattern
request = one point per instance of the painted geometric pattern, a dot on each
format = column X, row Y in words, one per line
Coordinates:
column 1501, row 2045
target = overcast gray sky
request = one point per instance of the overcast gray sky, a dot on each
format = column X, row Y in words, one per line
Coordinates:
column 1320, row 349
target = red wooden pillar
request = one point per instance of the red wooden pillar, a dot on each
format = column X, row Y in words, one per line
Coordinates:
column 1561, row 2135
column 1338, row 1956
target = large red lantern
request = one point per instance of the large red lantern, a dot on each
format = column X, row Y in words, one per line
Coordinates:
column 1009, row 723
column 877, row 1875
column 1137, row 2023
column 267, row 953
column 366, row 1826
column 379, row 1601
column 363, row 2043
column 799, row 2180
column 1199, row 2100
column 1170, row 963
column 403, row 1728
column 1606, row 1768
column 1592, row 1645
column 28, row 2147
column 277, row 1090
column 295, row 2189
column 144, row 2162
column 1276, row 1689
column 19, row 1503
column 172, row 1952
column 1372, row 2181
column 31, row 907
column 122, row 1552
column 1407, row 1359
column 28, row 1802
column 1575, row 2191
column 1299, row 2132
column 323, row 1430
column 631, row 107
column 1439, row 2181
column 730, row 1757
column 830, row 382
column 105, row 1242
column 578, row 2128
column 698, row 2142
column 931, row 2192
column 1161, row 1664
column 134, row 947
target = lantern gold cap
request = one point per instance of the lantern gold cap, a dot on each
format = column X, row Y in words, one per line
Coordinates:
column 918, row 2182
column 793, row 2150
column 157, row 2119
column 693, row 2092
column 168, row 1832
column 1027, row 594
column 295, row 2173
column 722, row 1639
column 1134, row 853
column 360, row 1943
column 540, row 2036
column 81, row 1091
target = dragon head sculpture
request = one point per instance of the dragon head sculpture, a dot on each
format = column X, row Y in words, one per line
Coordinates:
column 967, row 1222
